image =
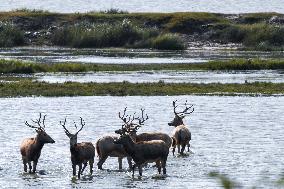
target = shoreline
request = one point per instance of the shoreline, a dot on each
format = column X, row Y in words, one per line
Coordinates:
column 164, row 30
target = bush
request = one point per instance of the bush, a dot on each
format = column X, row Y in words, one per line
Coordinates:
column 10, row 35
column 168, row 42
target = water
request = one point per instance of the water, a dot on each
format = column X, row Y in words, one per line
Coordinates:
column 165, row 76
column 132, row 56
column 240, row 136
column 226, row 6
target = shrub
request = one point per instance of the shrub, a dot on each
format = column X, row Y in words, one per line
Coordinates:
column 168, row 42
column 10, row 35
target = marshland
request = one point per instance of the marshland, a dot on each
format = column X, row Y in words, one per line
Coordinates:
column 73, row 61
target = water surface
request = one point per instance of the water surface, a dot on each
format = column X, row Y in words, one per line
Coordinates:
column 226, row 6
column 165, row 76
column 240, row 136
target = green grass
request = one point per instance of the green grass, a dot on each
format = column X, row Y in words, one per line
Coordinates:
column 256, row 36
column 252, row 30
column 10, row 35
column 121, row 34
column 17, row 66
column 28, row 88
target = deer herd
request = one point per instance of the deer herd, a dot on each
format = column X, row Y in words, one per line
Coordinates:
column 140, row 148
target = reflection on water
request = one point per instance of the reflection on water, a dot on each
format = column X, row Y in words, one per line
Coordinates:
column 240, row 136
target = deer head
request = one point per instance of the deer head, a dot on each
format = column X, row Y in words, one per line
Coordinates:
column 42, row 136
column 129, row 125
column 178, row 120
column 73, row 137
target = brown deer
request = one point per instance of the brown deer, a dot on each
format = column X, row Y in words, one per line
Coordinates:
column 132, row 129
column 144, row 152
column 181, row 134
column 31, row 147
column 107, row 148
column 81, row 153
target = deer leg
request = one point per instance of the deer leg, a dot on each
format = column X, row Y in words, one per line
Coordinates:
column 30, row 167
column 140, row 170
column 133, row 169
column 80, row 170
column 101, row 162
column 34, row 166
column 188, row 145
column 182, row 148
column 74, row 169
column 174, row 149
column 85, row 165
column 129, row 160
column 164, row 166
column 25, row 166
column 178, row 148
column 119, row 163
column 158, row 164
column 91, row 162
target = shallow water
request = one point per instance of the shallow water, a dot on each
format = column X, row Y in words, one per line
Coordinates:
column 240, row 136
column 165, row 76
column 228, row 6
column 136, row 56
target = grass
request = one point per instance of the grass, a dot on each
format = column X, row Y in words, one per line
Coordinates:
column 252, row 30
column 29, row 88
column 18, row 66
column 257, row 36
column 10, row 35
column 121, row 34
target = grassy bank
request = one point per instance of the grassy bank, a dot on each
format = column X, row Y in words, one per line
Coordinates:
column 28, row 88
column 260, row 31
column 17, row 66
column 10, row 35
column 120, row 34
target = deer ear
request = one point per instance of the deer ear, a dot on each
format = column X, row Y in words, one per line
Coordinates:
column 182, row 116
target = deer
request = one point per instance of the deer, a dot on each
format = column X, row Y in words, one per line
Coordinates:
column 81, row 153
column 181, row 134
column 31, row 147
column 144, row 152
column 107, row 148
column 132, row 129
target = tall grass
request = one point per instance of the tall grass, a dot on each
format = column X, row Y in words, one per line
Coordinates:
column 260, row 36
column 168, row 42
column 10, row 35
column 121, row 34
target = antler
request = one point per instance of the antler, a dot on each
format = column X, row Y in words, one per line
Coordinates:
column 82, row 125
column 39, row 122
column 184, row 112
column 63, row 125
column 68, row 132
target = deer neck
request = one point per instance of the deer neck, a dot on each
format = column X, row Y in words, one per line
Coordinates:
column 129, row 146
column 38, row 143
column 133, row 136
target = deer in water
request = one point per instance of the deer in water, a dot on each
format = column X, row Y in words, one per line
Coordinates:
column 81, row 153
column 132, row 128
column 31, row 147
column 144, row 152
column 107, row 148
column 181, row 134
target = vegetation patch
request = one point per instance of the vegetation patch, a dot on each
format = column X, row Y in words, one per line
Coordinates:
column 10, row 35
column 29, row 88
column 18, row 66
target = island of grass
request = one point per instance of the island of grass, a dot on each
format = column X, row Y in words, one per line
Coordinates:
column 22, row 67
column 172, row 31
column 28, row 88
